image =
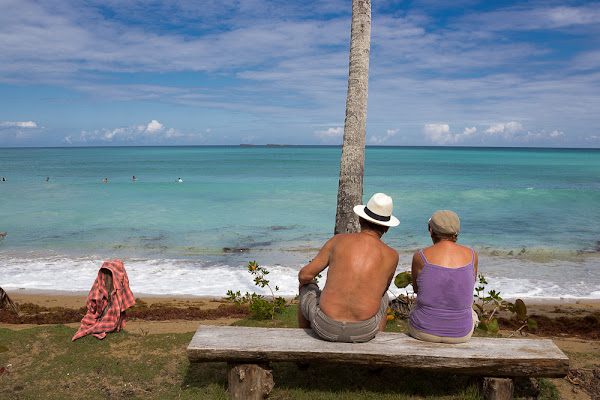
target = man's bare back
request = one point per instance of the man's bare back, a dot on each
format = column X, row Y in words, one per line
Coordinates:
column 361, row 268
column 353, row 304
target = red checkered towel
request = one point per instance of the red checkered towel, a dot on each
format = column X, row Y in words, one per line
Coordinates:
column 96, row 321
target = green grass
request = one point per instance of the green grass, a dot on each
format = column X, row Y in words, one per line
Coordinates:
column 44, row 363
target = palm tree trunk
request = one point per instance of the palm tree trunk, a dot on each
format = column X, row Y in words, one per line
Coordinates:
column 353, row 151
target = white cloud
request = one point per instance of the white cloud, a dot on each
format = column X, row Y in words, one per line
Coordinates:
column 154, row 127
column 331, row 133
column 382, row 139
column 438, row 133
column 152, row 133
column 28, row 124
column 124, row 134
column 509, row 133
column 171, row 133
column 509, row 128
column 545, row 135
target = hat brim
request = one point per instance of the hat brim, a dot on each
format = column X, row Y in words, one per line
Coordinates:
column 360, row 211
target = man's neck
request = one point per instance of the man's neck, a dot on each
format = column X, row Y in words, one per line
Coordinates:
column 371, row 233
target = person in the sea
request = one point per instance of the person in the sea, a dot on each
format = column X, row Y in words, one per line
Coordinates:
column 105, row 180
column 134, row 178
column 443, row 277
column 179, row 180
column 3, row 179
column 47, row 179
column 352, row 307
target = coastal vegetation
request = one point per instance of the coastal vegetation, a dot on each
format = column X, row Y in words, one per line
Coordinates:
column 258, row 306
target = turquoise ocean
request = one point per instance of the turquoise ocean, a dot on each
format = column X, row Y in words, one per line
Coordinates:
column 531, row 214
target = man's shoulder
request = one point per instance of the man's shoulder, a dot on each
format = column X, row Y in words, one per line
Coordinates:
column 341, row 237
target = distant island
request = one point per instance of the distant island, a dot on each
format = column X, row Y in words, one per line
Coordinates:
column 270, row 145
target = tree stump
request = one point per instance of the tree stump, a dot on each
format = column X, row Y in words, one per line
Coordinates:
column 496, row 388
column 249, row 381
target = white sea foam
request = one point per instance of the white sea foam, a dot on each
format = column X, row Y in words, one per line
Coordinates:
column 176, row 277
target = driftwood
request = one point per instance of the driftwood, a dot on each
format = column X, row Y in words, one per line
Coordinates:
column 7, row 304
column 481, row 357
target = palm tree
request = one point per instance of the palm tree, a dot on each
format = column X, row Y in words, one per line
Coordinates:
column 353, row 151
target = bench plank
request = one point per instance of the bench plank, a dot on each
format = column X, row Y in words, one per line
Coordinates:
column 479, row 356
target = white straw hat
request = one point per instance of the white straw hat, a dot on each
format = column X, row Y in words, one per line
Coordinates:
column 378, row 210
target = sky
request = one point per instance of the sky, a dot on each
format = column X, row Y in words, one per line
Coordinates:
column 226, row 72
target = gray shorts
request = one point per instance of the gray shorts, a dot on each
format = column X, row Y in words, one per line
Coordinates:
column 338, row 331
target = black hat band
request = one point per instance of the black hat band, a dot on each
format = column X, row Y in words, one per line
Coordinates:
column 376, row 216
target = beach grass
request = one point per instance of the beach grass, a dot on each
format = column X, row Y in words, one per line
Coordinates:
column 42, row 362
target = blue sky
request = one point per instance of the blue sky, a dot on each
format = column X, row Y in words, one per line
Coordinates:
column 188, row 72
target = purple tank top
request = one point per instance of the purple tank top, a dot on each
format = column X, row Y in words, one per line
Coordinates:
column 445, row 299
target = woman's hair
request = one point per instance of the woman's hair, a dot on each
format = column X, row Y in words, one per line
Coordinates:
column 365, row 224
column 441, row 236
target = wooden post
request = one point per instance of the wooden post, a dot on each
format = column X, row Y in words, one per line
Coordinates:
column 249, row 381
column 496, row 388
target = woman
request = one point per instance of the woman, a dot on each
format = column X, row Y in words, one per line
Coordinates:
column 443, row 277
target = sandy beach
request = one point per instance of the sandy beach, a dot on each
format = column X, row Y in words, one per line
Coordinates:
column 77, row 301
column 550, row 308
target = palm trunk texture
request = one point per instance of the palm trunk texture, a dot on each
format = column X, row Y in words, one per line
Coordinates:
column 353, row 150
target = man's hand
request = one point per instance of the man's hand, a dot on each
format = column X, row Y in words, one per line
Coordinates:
column 307, row 283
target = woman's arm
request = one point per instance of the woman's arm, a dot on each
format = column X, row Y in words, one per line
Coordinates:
column 416, row 267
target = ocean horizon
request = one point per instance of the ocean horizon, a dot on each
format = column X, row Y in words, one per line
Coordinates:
column 530, row 213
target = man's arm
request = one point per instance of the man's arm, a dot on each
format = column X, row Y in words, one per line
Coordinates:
column 395, row 259
column 317, row 265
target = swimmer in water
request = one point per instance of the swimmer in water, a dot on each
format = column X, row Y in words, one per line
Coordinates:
column 105, row 180
column 179, row 180
column 134, row 178
column 47, row 179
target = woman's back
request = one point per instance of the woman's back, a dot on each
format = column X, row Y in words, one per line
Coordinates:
column 446, row 288
column 448, row 254
column 445, row 295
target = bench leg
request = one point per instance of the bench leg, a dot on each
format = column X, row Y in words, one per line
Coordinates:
column 249, row 381
column 496, row 388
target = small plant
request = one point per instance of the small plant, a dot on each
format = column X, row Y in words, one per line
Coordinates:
column 487, row 320
column 402, row 306
column 259, row 307
column 520, row 310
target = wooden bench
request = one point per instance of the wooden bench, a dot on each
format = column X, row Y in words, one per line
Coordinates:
column 248, row 352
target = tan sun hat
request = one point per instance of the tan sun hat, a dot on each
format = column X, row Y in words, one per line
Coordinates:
column 444, row 222
column 378, row 210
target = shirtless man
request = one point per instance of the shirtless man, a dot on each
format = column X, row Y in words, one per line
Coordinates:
column 352, row 306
